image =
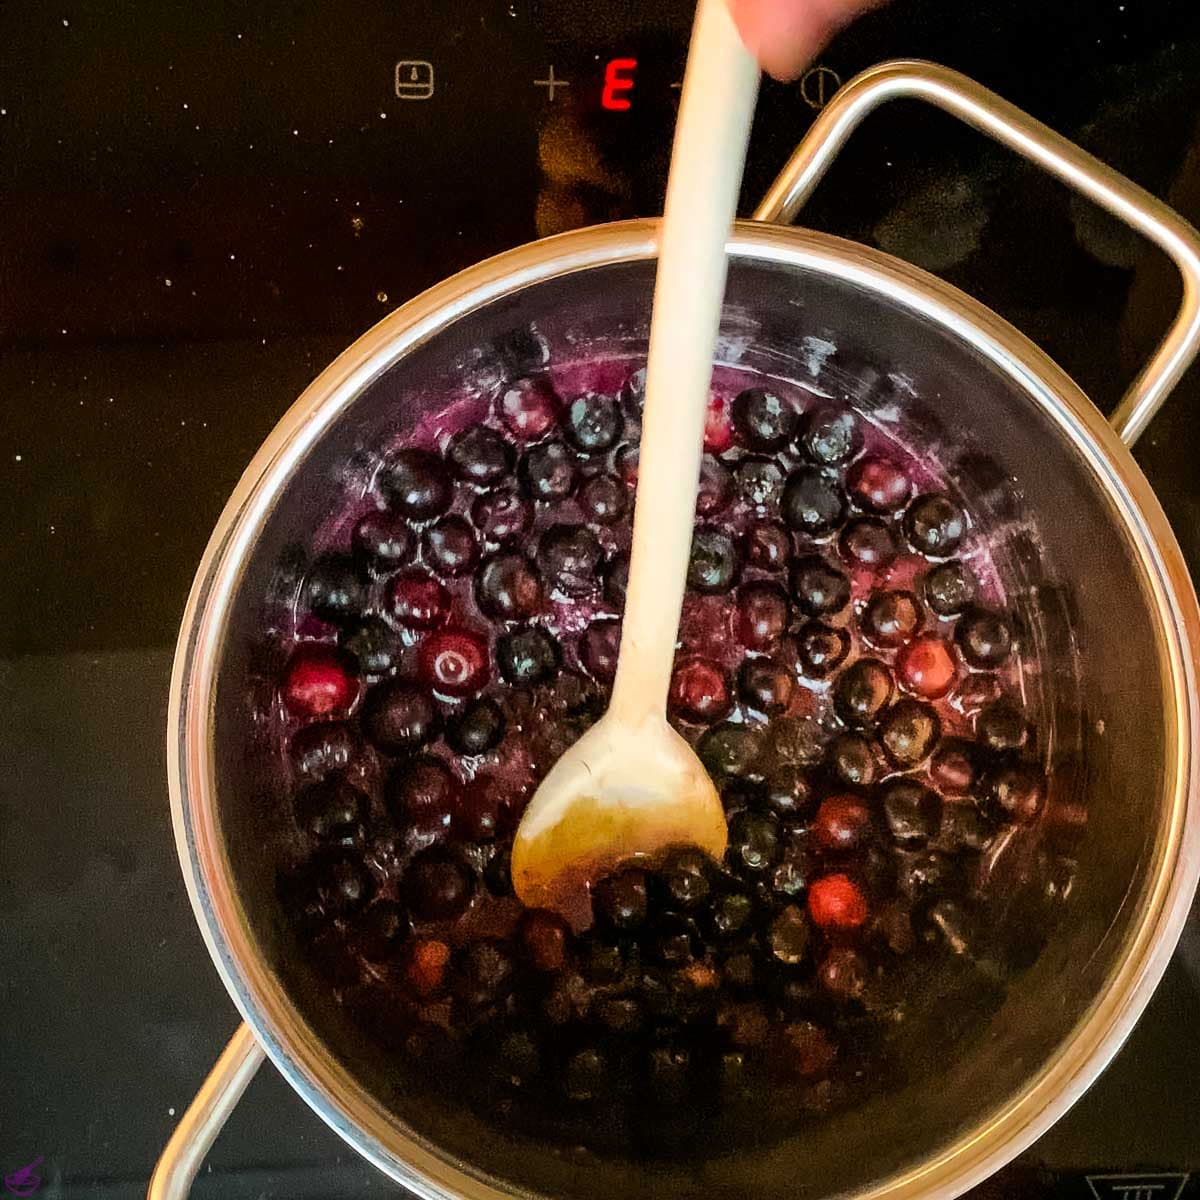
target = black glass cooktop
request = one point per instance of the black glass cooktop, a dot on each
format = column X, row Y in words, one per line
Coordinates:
column 200, row 206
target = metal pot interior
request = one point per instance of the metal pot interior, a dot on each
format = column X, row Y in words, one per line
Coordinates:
column 1106, row 685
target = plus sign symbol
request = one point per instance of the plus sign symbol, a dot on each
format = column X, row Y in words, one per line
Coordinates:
column 817, row 86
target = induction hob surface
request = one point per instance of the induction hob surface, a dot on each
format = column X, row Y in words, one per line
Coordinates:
column 200, row 207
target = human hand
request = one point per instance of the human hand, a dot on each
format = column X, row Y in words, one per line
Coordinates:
column 786, row 35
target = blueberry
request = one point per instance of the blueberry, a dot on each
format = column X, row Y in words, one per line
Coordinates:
column 797, row 741
column 569, row 999
column 586, row 1075
column 767, row 545
column 378, row 933
column 934, row 525
column 421, row 794
column 853, row 759
column 479, row 455
column 763, row 614
column 820, row 589
column 730, row 914
column 984, row 637
column 449, row 545
column 529, row 407
column 891, row 618
column 616, row 579
column 415, row 483
column 598, row 649
column 497, row 872
column 930, row 874
column 501, row 516
column 667, row 1073
column 333, row 590
column 519, row 1058
column 821, row 648
column 621, row 901
column 543, row 937
column 766, row 685
column 477, row 729
column 878, row 485
column 626, row 462
column 714, row 489
column 763, row 421
column 788, row 935
column 909, row 730
column 1017, row 789
column 375, row 646
column 547, row 471
column 341, row 882
column 753, row 842
column 788, row 793
column 593, row 423
column 569, row 557
column 333, row 810
column 759, row 482
column 481, row 810
column 867, row 542
column 813, row 502
column 715, row 562
column 948, row 588
column 831, row 436
column 953, row 767
column 913, row 812
column 622, row 1015
column 326, row 746
column 528, row 656
column 1001, row 726
column 953, row 925
column 739, row 968
column 482, row 972
column 382, row 541
column 522, row 351
column 686, row 876
column 507, row 588
column 862, row 691
column 843, row 973
column 730, row 751
column 437, row 886
column 963, row 827
column 399, row 717
column 603, row 499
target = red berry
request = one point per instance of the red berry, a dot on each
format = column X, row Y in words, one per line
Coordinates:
column 543, row 935
column 763, row 613
column 319, row 682
column 598, row 649
column 926, row 666
column 699, row 690
column 718, row 425
column 530, row 408
column 843, row 973
column 417, row 600
column 841, row 823
column 877, row 484
column 426, row 965
column 454, row 662
column 835, row 902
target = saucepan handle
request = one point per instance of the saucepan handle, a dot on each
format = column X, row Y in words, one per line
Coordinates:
column 208, row 1112
column 987, row 112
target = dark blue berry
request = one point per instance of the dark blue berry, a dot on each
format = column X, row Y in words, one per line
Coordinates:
column 753, row 842
column 862, row 691
column 715, row 562
column 853, row 759
column 730, row 751
column 593, row 423
column 501, row 516
column 477, row 729
column 767, row 546
column 1001, row 726
column 437, row 886
column 547, row 471
column 333, row 810
column 819, row 588
column 948, row 588
column 762, row 420
column 686, row 876
column 616, row 579
column 415, row 482
column 569, row 557
column 831, row 436
column 507, row 588
column 480, row 455
column 867, row 542
column 333, row 590
column 821, row 648
column 934, row 525
column 528, row 656
column 620, row 901
column 342, row 882
column 449, row 545
column 984, row 637
column 813, row 502
column 909, row 730
column 382, row 542
column 603, row 498
column 326, row 746
column 375, row 646
column 482, row 972
column 912, row 811
column 891, row 618
column 399, row 717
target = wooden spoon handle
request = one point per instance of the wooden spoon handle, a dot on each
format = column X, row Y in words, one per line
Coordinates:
column 719, row 91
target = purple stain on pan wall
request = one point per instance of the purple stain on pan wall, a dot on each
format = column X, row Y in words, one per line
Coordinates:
column 25, row 1180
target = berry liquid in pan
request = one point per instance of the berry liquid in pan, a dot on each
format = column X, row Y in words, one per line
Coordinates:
column 851, row 672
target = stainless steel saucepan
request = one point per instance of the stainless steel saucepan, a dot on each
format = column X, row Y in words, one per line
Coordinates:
column 793, row 295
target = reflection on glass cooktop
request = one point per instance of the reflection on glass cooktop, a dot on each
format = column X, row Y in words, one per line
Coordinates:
column 199, row 208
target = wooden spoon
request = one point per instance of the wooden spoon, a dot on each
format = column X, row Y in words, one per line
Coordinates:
column 631, row 786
